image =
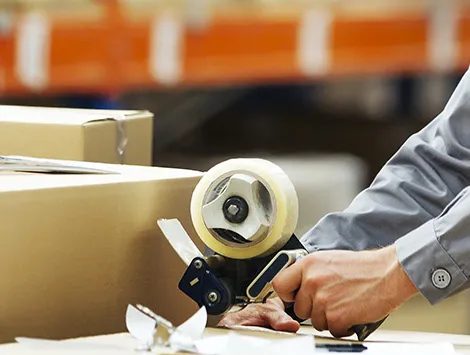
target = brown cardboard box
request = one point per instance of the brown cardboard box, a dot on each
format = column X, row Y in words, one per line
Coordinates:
column 76, row 249
column 77, row 134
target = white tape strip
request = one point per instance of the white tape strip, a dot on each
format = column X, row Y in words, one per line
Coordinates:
column 179, row 239
column 313, row 42
column 443, row 25
column 32, row 50
column 121, row 136
column 166, row 47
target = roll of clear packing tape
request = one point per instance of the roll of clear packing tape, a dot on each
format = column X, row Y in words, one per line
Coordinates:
column 283, row 199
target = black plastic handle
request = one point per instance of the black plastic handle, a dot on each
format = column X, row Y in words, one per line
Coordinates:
column 363, row 331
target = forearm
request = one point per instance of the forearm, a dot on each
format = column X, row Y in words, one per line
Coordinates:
column 415, row 185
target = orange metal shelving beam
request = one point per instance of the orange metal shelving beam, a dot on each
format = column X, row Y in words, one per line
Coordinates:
column 112, row 52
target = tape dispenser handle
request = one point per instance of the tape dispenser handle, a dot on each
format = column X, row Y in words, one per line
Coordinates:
column 362, row 331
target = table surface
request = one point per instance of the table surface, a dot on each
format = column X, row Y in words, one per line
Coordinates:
column 461, row 342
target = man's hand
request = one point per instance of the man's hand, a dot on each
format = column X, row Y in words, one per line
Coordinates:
column 340, row 289
column 270, row 315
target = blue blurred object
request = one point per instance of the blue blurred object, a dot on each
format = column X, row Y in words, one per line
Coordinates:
column 91, row 102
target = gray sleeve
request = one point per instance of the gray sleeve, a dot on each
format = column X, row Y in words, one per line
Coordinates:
column 436, row 256
column 407, row 200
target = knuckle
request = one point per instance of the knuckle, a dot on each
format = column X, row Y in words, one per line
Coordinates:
column 335, row 320
column 270, row 308
column 249, row 309
column 309, row 260
column 275, row 302
column 321, row 300
column 311, row 283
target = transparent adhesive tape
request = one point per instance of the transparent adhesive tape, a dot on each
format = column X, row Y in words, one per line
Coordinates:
column 285, row 209
column 121, row 137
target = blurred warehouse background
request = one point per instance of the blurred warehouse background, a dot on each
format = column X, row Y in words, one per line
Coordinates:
column 327, row 89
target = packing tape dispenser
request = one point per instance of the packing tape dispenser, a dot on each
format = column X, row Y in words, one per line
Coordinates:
column 245, row 211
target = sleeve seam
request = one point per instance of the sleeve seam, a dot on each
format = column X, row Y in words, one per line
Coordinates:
column 446, row 253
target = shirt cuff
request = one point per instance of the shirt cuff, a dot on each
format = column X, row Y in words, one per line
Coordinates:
column 428, row 265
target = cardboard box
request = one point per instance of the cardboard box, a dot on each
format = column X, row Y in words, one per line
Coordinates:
column 76, row 249
column 106, row 136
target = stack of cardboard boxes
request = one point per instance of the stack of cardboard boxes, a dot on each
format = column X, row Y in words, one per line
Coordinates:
column 77, row 248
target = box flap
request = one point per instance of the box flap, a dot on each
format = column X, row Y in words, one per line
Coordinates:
column 27, row 164
column 65, row 116
column 33, row 173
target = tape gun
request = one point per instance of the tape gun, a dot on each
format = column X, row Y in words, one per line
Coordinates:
column 245, row 211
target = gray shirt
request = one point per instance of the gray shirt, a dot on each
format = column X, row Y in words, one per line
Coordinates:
column 420, row 201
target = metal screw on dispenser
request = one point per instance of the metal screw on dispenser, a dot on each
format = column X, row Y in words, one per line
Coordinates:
column 212, row 297
column 235, row 209
column 198, row 264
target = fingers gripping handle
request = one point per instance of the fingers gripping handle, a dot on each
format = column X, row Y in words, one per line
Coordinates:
column 362, row 331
